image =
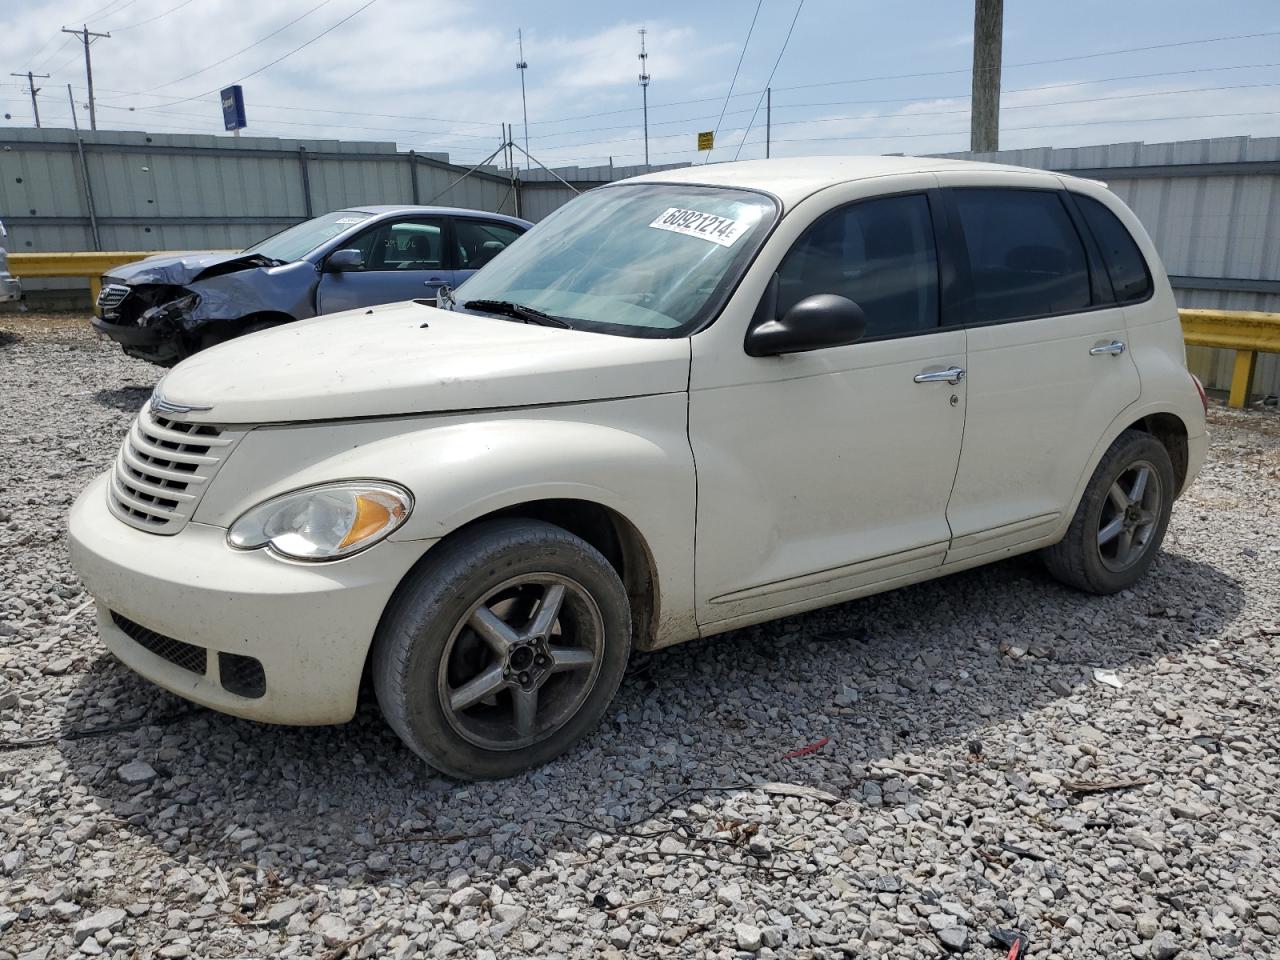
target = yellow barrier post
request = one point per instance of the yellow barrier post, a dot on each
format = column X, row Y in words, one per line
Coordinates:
column 1242, row 378
column 1244, row 331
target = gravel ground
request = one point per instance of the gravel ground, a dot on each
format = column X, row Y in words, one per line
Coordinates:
column 970, row 769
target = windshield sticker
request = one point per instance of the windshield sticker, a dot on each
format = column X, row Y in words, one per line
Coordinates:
column 707, row 226
column 351, row 220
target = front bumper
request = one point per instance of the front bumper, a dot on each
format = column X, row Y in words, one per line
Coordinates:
column 128, row 334
column 10, row 289
column 309, row 625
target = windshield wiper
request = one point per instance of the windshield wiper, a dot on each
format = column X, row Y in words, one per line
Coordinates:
column 517, row 310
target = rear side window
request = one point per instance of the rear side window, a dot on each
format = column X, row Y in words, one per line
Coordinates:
column 1130, row 278
column 878, row 253
column 1025, row 257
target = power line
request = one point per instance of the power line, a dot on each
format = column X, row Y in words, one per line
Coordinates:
column 787, row 40
column 1038, row 63
column 232, row 56
column 675, row 103
column 158, row 16
column 729, row 95
column 285, row 56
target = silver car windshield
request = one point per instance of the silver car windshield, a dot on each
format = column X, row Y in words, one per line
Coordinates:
column 299, row 240
column 641, row 260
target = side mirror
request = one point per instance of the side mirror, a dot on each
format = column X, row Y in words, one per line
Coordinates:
column 344, row 261
column 817, row 321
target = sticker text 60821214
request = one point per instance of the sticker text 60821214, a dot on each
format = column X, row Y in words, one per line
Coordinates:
column 707, row 226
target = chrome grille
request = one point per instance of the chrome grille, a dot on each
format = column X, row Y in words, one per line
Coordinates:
column 164, row 468
column 111, row 296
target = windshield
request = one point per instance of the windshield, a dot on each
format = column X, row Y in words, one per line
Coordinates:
column 300, row 239
column 640, row 260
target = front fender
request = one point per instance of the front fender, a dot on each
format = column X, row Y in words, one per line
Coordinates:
column 631, row 456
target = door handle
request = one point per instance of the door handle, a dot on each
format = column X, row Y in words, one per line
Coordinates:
column 950, row 375
column 1112, row 349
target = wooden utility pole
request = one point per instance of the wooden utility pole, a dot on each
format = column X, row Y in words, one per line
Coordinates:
column 86, row 36
column 33, row 89
column 984, row 108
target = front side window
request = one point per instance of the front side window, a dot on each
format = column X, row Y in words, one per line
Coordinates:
column 406, row 245
column 878, row 253
column 479, row 241
column 1025, row 257
column 300, row 239
column 637, row 260
column 1130, row 278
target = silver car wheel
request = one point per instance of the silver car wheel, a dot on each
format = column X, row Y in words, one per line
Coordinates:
column 522, row 661
column 1129, row 516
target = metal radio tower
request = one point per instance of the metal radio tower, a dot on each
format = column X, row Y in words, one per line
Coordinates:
column 524, row 105
column 644, row 93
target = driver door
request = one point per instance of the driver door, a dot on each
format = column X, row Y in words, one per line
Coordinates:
column 821, row 473
column 403, row 260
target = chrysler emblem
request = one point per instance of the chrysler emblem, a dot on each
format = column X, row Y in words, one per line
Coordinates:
column 160, row 405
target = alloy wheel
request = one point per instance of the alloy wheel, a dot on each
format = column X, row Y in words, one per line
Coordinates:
column 1130, row 516
column 522, row 661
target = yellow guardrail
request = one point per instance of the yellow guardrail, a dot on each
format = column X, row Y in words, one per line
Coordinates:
column 90, row 265
column 1246, row 332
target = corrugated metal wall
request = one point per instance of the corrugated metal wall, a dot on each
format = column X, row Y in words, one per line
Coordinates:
column 1212, row 206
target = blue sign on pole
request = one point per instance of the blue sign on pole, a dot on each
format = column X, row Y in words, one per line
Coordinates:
column 233, row 108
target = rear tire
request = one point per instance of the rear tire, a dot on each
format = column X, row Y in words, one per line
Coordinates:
column 502, row 649
column 1121, row 520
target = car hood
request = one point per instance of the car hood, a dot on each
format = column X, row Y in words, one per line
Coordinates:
column 179, row 269
column 408, row 358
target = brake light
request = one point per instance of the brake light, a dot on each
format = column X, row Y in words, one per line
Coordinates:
column 1204, row 397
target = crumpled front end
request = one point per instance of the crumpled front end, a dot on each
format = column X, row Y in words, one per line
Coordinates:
column 150, row 321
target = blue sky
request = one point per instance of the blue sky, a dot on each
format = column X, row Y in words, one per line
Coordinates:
column 856, row 77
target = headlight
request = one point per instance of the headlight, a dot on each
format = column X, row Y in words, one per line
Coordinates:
column 324, row 523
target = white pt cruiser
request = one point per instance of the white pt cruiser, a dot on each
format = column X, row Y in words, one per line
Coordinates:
column 682, row 404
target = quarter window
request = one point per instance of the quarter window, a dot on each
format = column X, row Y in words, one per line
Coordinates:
column 1025, row 257
column 878, row 253
column 1130, row 278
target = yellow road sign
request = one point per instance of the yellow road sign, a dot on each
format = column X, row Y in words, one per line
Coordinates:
column 706, row 139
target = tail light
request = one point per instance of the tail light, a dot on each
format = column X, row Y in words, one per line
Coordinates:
column 1204, row 398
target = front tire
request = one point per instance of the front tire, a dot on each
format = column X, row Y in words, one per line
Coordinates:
column 1121, row 520
column 502, row 649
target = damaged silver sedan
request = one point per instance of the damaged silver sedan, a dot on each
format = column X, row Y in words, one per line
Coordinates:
column 168, row 307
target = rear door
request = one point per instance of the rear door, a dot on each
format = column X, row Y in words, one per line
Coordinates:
column 1048, row 366
column 477, row 241
column 403, row 260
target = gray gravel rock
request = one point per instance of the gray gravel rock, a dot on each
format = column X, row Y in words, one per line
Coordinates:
column 968, row 780
column 136, row 772
column 108, row 918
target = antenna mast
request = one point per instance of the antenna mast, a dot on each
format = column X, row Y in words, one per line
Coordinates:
column 644, row 93
column 524, row 105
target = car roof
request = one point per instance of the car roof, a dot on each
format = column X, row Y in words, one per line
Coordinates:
column 384, row 209
column 791, row 179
